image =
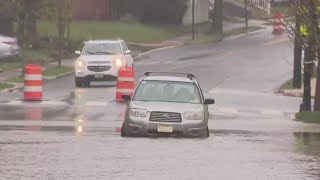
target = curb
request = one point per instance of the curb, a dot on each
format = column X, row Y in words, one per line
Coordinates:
column 48, row 78
column 16, row 87
column 144, row 55
column 245, row 34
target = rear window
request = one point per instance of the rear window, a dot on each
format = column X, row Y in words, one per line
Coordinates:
column 168, row 91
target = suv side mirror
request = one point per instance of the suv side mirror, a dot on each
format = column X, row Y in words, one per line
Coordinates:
column 209, row 101
column 126, row 97
column 77, row 52
column 127, row 52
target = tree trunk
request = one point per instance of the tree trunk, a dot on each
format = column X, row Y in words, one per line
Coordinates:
column 307, row 78
column 297, row 55
column 217, row 18
column 317, row 94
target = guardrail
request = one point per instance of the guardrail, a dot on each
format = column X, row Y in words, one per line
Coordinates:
column 261, row 4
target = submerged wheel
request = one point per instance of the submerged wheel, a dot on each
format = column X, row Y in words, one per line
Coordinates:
column 205, row 133
column 123, row 132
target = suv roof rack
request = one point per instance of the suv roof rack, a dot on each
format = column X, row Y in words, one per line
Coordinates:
column 190, row 76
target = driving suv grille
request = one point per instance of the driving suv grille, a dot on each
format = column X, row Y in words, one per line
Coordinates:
column 165, row 117
column 99, row 68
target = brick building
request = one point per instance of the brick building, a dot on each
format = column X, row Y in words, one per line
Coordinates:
column 92, row 10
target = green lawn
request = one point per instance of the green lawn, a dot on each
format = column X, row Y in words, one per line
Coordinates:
column 5, row 86
column 55, row 71
column 309, row 117
column 19, row 79
column 131, row 32
column 6, row 66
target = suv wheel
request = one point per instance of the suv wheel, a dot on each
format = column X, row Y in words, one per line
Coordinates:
column 86, row 83
column 123, row 132
column 205, row 133
column 78, row 82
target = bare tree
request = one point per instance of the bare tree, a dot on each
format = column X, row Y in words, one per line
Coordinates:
column 59, row 11
column 306, row 33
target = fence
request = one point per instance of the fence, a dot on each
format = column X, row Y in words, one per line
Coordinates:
column 261, row 4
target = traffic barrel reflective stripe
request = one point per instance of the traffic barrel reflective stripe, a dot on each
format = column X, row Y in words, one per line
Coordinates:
column 33, row 82
column 278, row 23
column 125, row 83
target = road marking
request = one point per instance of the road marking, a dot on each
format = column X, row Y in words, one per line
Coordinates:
column 53, row 103
column 13, row 103
column 96, row 103
column 275, row 42
column 252, row 111
column 168, row 62
column 223, row 54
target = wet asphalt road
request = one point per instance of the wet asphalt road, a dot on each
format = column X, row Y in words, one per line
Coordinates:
column 74, row 133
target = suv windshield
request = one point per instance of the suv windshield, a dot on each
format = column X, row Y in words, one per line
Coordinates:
column 102, row 48
column 168, row 91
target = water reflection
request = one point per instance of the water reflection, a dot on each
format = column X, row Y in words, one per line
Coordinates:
column 307, row 143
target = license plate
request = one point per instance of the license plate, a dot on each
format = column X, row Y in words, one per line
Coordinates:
column 167, row 129
column 98, row 75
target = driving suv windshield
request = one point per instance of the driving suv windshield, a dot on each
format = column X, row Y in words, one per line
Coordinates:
column 168, row 91
column 102, row 48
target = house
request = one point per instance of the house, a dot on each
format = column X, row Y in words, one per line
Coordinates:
column 92, row 10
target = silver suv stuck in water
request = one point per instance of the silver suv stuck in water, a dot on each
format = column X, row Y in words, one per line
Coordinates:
column 167, row 104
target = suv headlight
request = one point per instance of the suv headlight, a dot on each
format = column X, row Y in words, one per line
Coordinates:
column 118, row 62
column 138, row 113
column 80, row 63
column 194, row 115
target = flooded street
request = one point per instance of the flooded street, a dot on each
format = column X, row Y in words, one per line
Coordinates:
column 100, row 153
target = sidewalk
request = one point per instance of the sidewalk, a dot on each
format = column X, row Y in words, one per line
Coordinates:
column 299, row 92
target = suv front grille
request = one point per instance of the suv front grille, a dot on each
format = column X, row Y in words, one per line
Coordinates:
column 99, row 68
column 165, row 117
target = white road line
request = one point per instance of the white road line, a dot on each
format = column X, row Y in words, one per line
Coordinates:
column 13, row 103
column 272, row 112
column 226, row 110
column 58, row 103
column 275, row 42
column 96, row 103
column 168, row 62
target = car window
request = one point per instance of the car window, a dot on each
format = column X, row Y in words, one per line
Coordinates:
column 168, row 91
column 101, row 49
column 124, row 46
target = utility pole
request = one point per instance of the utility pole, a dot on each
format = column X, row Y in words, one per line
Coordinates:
column 193, row 2
column 246, row 13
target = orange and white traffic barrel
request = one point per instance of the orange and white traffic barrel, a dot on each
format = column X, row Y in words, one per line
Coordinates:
column 33, row 82
column 278, row 23
column 125, row 83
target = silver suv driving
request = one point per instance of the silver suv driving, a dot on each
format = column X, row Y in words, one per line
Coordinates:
column 167, row 104
column 100, row 61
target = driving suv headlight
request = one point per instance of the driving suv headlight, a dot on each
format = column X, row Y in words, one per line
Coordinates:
column 118, row 62
column 80, row 63
column 138, row 113
column 194, row 115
